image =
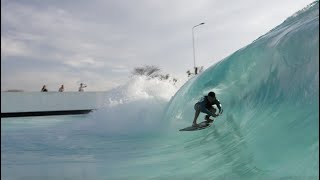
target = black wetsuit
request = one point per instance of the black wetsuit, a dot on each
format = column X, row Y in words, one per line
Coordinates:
column 205, row 105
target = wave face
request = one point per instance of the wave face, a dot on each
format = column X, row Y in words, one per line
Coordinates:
column 269, row 91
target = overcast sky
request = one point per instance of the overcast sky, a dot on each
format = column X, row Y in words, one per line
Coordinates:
column 99, row 42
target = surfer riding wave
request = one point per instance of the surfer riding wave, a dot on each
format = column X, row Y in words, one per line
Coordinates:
column 205, row 105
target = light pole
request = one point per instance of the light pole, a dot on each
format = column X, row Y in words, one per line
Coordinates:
column 194, row 55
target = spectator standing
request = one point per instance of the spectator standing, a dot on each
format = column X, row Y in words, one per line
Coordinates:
column 61, row 89
column 44, row 88
column 82, row 86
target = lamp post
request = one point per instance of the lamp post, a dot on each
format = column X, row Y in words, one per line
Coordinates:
column 194, row 56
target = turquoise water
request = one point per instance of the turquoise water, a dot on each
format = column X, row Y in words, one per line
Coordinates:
column 269, row 130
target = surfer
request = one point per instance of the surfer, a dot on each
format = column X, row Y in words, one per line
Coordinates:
column 61, row 89
column 44, row 88
column 205, row 106
column 82, row 86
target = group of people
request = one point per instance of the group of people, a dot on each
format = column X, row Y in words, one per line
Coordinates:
column 197, row 70
column 61, row 89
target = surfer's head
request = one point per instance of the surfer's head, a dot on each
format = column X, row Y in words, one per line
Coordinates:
column 211, row 96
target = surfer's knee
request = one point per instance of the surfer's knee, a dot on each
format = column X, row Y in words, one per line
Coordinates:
column 197, row 107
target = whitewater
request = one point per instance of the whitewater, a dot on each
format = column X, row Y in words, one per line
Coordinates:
column 269, row 129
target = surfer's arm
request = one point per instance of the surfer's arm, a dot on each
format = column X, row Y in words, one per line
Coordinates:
column 205, row 110
column 219, row 106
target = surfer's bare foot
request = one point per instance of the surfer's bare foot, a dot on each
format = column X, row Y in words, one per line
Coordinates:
column 195, row 125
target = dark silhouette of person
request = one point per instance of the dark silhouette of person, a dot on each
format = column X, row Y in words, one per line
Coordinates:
column 44, row 88
column 61, row 89
column 82, row 86
column 205, row 106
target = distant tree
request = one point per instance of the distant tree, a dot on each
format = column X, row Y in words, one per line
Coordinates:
column 152, row 72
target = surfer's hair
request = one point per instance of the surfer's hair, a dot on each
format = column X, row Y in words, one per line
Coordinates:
column 212, row 94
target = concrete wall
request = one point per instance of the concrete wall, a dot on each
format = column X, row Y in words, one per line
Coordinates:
column 49, row 101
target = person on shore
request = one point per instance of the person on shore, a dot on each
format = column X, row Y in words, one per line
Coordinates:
column 82, row 86
column 61, row 89
column 44, row 88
